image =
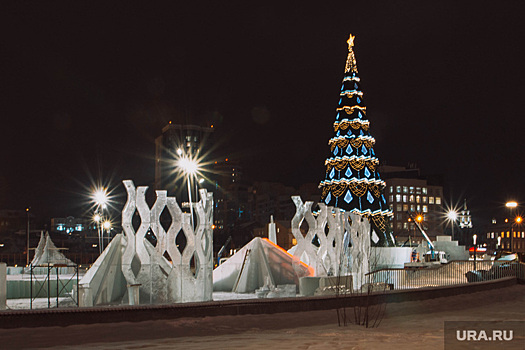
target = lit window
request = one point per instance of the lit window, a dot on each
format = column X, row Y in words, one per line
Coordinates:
column 412, row 207
column 418, row 208
column 391, row 198
column 418, row 198
column 391, row 189
column 405, row 225
column 492, row 235
column 418, row 190
column 424, row 190
column 514, row 234
column 424, row 199
column 405, row 189
column 391, row 206
column 404, row 198
column 508, row 234
column 502, row 234
column 488, row 235
column 398, row 198
column 522, row 234
column 411, row 198
column 405, row 207
column 398, row 189
column 399, row 208
column 430, row 200
column 438, row 200
column 425, row 209
column 411, row 189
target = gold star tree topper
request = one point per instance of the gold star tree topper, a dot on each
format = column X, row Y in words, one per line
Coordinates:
column 351, row 64
column 350, row 42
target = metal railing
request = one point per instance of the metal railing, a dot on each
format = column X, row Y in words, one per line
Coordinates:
column 452, row 273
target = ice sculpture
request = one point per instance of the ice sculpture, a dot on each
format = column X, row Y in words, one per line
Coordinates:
column 259, row 263
column 163, row 272
column 343, row 240
column 358, row 229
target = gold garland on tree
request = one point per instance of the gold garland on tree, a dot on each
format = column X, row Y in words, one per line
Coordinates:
column 354, row 124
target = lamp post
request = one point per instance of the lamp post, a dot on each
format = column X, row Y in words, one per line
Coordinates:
column 474, row 237
column 27, row 247
column 511, row 205
column 100, row 198
column 189, row 167
column 107, row 228
column 452, row 216
column 97, row 218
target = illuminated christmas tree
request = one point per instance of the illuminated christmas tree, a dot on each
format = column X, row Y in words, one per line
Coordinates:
column 352, row 182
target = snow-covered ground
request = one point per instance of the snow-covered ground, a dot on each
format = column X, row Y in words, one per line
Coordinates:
column 408, row 325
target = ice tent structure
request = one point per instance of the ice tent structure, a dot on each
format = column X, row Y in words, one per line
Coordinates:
column 258, row 263
column 47, row 253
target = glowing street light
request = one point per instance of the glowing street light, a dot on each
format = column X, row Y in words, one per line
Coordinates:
column 190, row 167
column 512, row 205
column 100, row 197
column 452, row 216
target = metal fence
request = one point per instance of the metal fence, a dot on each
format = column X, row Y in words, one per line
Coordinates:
column 452, row 273
column 19, row 259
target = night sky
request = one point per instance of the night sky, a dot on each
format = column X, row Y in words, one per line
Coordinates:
column 86, row 89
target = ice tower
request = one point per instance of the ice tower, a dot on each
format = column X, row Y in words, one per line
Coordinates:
column 352, row 182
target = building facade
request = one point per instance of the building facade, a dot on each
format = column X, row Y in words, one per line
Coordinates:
column 408, row 196
column 506, row 237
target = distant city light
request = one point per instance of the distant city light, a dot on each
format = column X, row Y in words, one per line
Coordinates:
column 452, row 215
column 511, row 204
column 107, row 225
column 519, row 219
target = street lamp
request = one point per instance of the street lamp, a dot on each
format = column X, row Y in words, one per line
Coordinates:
column 474, row 237
column 27, row 248
column 452, row 216
column 97, row 218
column 511, row 205
column 107, row 227
column 100, row 197
column 189, row 167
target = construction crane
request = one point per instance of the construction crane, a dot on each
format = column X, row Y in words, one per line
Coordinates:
column 221, row 251
column 417, row 221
